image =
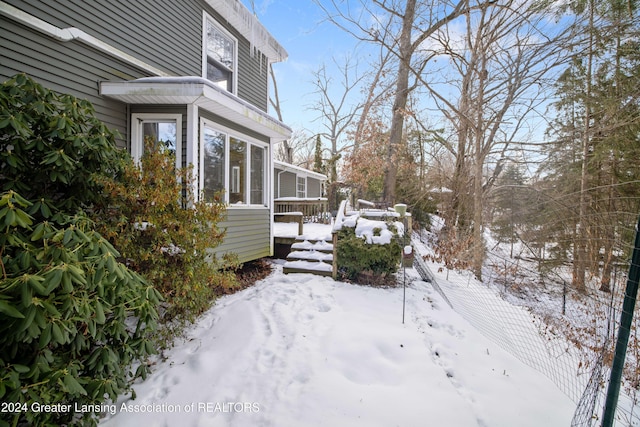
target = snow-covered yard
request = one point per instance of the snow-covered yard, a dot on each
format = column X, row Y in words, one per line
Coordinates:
column 303, row 350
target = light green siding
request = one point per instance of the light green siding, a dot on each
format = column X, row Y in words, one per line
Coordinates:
column 70, row 67
column 165, row 34
column 248, row 233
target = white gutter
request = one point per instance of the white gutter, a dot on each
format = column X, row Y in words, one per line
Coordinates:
column 73, row 33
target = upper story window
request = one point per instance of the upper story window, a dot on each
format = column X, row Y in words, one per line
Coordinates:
column 220, row 55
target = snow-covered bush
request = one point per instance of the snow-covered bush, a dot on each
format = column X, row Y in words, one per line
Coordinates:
column 369, row 251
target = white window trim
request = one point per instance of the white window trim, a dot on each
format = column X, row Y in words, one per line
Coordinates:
column 137, row 140
column 230, row 133
column 234, row 72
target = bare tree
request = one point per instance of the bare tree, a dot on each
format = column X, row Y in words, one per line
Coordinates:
column 402, row 28
column 297, row 150
column 502, row 63
column 377, row 91
column 336, row 114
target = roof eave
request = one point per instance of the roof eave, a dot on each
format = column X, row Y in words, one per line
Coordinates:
column 197, row 91
column 238, row 16
column 293, row 168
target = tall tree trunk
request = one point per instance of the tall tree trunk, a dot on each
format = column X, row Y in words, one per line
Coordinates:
column 608, row 226
column 581, row 243
column 399, row 103
column 478, row 193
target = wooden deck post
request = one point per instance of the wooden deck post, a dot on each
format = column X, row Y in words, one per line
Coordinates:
column 334, row 241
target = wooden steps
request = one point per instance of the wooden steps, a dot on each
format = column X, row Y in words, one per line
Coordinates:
column 310, row 256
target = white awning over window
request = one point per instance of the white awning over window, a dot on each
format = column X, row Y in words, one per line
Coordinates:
column 201, row 92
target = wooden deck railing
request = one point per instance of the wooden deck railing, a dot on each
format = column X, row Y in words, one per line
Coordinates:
column 313, row 210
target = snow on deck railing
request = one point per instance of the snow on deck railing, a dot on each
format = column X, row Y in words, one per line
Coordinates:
column 337, row 225
column 362, row 202
column 314, row 209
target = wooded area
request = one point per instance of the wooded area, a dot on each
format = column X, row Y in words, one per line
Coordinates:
column 519, row 115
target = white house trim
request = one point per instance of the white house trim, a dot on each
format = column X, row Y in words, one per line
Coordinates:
column 137, row 142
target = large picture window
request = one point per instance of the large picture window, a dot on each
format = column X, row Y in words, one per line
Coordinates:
column 220, row 55
column 233, row 163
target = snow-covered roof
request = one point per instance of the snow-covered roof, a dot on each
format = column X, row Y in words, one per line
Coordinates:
column 249, row 26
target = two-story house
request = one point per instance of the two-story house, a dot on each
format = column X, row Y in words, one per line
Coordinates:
column 192, row 73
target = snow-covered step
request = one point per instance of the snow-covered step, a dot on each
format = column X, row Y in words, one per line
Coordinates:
column 320, row 246
column 314, row 256
column 313, row 267
column 310, row 256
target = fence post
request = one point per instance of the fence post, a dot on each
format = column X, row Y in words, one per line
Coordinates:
column 626, row 318
column 334, row 264
column 564, row 297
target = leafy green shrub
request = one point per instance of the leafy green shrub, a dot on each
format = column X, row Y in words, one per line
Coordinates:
column 145, row 218
column 72, row 318
column 52, row 147
column 65, row 303
column 365, row 262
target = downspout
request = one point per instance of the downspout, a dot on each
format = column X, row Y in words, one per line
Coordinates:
column 73, row 33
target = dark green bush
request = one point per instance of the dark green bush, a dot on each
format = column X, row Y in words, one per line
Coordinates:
column 72, row 318
column 64, row 306
column 360, row 261
column 52, row 147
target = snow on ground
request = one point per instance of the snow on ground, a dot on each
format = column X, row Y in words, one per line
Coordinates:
column 510, row 326
column 303, row 350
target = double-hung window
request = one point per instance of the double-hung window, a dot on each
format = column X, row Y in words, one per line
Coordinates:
column 233, row 166
column 164, row 129
column 220, row 55
column 301, row 182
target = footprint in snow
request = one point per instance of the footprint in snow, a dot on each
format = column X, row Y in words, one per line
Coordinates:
column 323, row 307
column 194, row 345
column 168, row 383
